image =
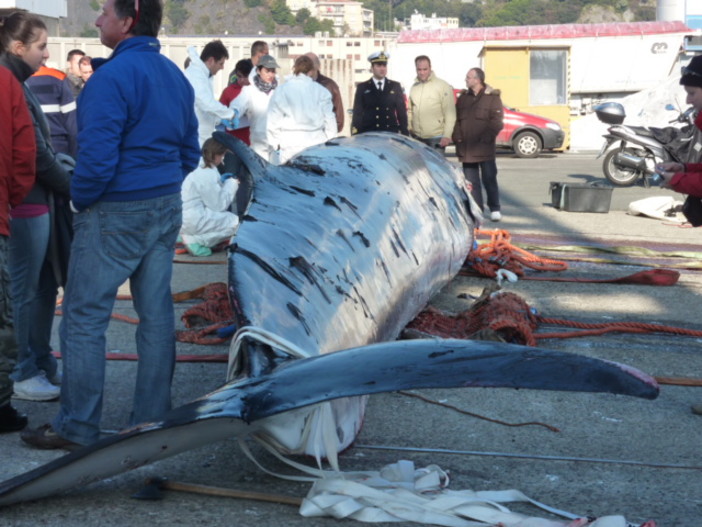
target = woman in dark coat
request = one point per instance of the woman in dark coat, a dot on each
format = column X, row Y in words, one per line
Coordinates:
column 479, row 117
column 35, row 269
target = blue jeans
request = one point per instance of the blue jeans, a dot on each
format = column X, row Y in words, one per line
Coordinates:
column 113, row 242
column 33, row 288
column 487, row 171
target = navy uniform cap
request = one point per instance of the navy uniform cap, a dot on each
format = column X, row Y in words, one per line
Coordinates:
column 378, row 57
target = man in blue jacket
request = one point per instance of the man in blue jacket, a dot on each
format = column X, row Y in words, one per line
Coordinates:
column 137, row 140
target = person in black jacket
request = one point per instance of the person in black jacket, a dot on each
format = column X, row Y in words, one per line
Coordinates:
column 35, row 266
column 379, row 104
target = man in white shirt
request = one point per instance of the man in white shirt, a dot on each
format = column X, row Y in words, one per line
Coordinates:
column 209, row 111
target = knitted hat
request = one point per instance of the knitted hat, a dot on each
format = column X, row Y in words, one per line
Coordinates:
column 692, row 73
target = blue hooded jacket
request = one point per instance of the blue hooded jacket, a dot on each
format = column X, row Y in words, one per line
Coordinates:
column 137, row 130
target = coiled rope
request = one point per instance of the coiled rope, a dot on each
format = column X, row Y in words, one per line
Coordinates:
column 499, row 253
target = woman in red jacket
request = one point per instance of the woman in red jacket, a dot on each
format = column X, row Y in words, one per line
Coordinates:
column 686, row 178
column 17, row 169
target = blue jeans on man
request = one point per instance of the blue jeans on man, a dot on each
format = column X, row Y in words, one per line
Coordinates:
column 113, row 242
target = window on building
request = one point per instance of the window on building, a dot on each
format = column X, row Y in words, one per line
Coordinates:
column 548, row 70
column 357, row 57
column 329, row 43
column 357, row 43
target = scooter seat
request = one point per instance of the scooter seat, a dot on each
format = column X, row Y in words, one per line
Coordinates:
column 642, row 130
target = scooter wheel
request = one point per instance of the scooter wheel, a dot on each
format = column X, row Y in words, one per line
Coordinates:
column 618, row 175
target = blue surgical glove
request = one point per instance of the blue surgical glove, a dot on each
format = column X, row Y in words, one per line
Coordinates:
column 231, row 124
column 226, row 176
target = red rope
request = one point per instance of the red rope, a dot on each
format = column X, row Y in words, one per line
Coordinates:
column 507, row 317
column 499, row 253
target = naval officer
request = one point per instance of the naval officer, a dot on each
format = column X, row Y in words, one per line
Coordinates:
column 379, row 104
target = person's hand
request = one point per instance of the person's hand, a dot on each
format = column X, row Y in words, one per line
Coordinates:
column 671, row 166
column 226, row 176
column 231, row 124
column 444, row 142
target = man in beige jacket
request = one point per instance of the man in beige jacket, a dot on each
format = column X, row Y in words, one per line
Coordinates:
column 432, row 107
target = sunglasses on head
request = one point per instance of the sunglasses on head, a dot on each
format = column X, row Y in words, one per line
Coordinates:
column 135, row 21
column 687, row 71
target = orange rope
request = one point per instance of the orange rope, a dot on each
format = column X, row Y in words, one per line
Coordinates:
column 508, row 317
column 499, row 253
column 610, row 327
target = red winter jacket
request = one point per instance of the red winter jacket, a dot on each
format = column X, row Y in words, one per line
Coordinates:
column 690, row 181
column 17, row 147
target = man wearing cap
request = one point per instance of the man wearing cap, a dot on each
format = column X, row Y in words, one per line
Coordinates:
column 432, row 107
column 379, row 104
column 253, row 102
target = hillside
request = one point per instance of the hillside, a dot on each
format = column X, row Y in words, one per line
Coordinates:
column 253, row 17
column 203, row 17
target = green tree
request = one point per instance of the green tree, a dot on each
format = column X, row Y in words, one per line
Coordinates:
column 301, row 16
column 532, row 12
column 328, row 26
column 281, row 14
column 89, row 32
column 177, row 13
column 311, row 26
column 95, row 5
column 268, row 23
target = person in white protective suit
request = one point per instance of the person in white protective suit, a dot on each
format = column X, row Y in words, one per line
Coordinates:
column 253, row 102
column 300, row 113
column 207, row 196
column 208, row 110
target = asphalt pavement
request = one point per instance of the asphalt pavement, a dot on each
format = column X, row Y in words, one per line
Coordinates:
column 610, row 455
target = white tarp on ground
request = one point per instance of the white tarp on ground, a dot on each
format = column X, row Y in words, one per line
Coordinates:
column 645, row 108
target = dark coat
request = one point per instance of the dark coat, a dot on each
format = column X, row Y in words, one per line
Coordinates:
column 479, row 118
column 376, row 111
column 53, row 176
column 337, row 103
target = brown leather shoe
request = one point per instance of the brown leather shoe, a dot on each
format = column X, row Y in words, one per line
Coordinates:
column 46, row 438
column 11, row 420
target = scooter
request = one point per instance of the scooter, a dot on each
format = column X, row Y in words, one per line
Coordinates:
column 641, row 148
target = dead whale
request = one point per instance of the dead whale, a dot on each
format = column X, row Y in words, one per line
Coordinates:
column 336, row 251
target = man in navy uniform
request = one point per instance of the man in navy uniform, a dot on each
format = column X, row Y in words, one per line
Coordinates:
column 379, row 104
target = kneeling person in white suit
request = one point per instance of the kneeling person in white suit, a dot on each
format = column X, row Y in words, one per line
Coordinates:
column 207, row 197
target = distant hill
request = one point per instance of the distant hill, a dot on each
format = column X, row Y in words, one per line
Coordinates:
column 253, row 17
column 204, row 17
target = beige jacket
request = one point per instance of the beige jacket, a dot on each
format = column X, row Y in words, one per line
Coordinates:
column 432, row 108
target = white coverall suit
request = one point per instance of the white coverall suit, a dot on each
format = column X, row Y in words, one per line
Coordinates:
column 208, row 110
column 253, row 103
column 206, row 201
column 300, row 115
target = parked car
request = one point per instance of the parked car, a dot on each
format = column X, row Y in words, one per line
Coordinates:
column 528, row 134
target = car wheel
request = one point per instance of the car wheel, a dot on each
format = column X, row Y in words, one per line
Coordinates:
column 618, row 175
column 527, row 144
